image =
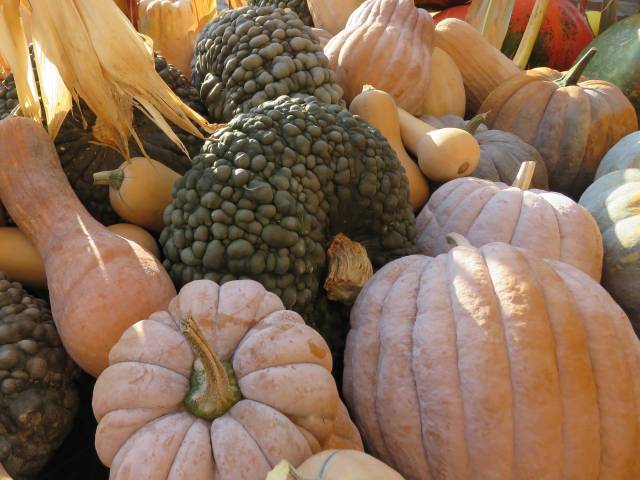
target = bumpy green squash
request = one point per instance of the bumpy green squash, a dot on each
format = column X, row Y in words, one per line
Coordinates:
column 624, row 154
column 618, row 58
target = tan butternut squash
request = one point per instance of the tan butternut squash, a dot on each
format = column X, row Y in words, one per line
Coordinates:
column 443, row 153
column 138, row 235
column 99, row 283
column 445, row 95
column 379, row 109
column 139, row 191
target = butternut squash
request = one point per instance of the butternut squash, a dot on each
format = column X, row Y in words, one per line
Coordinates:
column 443, row 153
column 139, row 191
column 445, row 95
column 138, row 235
column 99, row 283
column 380, row 110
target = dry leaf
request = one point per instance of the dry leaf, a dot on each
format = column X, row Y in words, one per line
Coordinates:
column 491, row 18
column 236, row 3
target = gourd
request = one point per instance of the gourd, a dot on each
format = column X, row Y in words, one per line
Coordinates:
column 224, row 384
column 99, row 283
column 20, row 260
column 404, row 33
column 332, row 15
column 445, row 95
column 548, row 224
column 624, row 154
column 572, row 123
column 139, row 191
column 483, row 67
column 493, row 363
column 614, row 200
column 501, row 153
column 443, row 153
column 322, row 35
column 336, row 465
column 379, row 109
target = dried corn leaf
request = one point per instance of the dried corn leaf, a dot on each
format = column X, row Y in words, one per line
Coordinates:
column 491, row 18
column 236, row 3
column 203, row 12
column 530, row 35
column 4, row 68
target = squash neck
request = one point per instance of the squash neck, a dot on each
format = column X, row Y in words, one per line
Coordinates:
column 572, row 77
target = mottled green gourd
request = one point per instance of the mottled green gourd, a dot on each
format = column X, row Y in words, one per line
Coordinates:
column 250, row 55
column 299, row 6
column 267, row 193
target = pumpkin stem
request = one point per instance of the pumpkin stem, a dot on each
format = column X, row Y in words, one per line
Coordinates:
column 573, row 76
column 475, row 122
column 524, row 176
column 458, row 240
column 214, row 389
column 349, row 269
column 284, row 471
column 113, row 178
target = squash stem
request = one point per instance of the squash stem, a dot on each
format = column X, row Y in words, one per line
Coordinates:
column 572, row 77
column 113, row 178
column 521, row 58
column 475, row 122
column 214, row 389
column 284, row 471
column 349, row 269
column 458, row 240
column 524, row 176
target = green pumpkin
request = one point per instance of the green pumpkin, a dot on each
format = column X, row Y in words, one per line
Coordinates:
column 624, row 154
column 618, row 58
column 614, row 201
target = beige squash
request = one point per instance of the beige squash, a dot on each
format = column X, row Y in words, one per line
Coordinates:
column 548, row 224
column 223, row 385
column 386, row 44
column 445, row 95
column 492, row 363
column 332, row 15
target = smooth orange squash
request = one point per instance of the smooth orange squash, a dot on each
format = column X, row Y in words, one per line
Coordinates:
column 99, row 283
column 445, row 95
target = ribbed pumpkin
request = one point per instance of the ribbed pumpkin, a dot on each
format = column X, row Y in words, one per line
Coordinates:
column 547, row 223
column 386, row 44
column 614, row 201
column 331, row 15
column 624, row 154
column 572, row 124
column 501, row 153
column 491, row 363
column 223, row 385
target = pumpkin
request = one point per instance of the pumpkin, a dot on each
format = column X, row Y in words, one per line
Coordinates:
column 546, row 223
column 445, row 95
column 173, row 26
column 624, row 154
column 616, row 64
column 399, row 36
column 139, row 191
column 335, row 465
column 501, row 153
column 565, row 31
column 572, row 124
column 483, row 67
column 332, row 15
column 493, row 363
column 379, row 109
column 322, row 35
column 613, row 199
column 99, row 283
column 223, row 385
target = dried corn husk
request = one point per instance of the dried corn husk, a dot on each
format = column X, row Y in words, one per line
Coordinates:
column 491, row 18
column 101, row 59
column 236, row 3
column 521, row 58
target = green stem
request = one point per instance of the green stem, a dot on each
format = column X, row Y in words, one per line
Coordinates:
column 113, row 178
column 214, row 389
column 475, row 122
column 572, row 77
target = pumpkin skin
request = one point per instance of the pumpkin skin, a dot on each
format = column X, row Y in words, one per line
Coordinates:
column 501, row 153
column 614, row 201
column 547, row 223
column 290, row 407
column 624, row 154
column 572, row 124
column 404, row 33
column 481, row 362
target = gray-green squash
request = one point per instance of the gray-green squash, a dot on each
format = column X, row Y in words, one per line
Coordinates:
column 624, row 154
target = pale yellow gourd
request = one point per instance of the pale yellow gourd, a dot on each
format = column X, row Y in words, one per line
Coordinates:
column 332, row 15
column 443, row 153
column 21, row 262
column 445, row 95
column 380, row 110
column 139, row 191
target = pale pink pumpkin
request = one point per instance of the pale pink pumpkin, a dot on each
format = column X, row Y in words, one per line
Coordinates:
column 285, row 404
column 492, row 363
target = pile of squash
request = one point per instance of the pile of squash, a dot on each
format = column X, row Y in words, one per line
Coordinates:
column 490, row 331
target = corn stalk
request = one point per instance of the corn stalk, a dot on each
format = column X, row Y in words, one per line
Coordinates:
column 521, row 58
column 491, row 18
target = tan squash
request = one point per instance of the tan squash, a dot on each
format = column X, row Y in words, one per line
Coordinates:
column 443, row 153
column 483, row 67
column 139, row 191
column 379, row 109
column 99, row 283
column 223, row 386
column 322, row 35
column 332, row 15
column 445, row 95
column 138, row 235
column 336, row 465
column 491, row 363
column 387, row 44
